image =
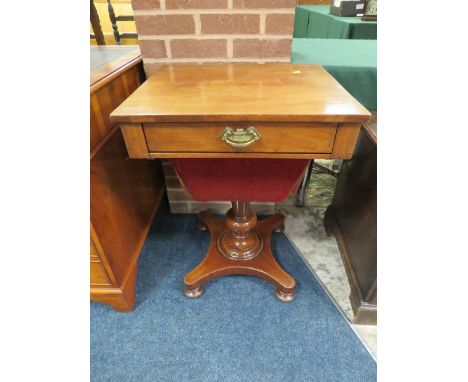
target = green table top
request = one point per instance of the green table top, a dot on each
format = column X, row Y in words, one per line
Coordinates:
column 335, row 52
column 353, row 63
column 315, row 21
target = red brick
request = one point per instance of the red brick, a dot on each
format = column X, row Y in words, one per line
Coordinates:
column 153, row 48
column 165, row 24
column 279, row 24
column 264, row 3
column 196, row 4
column 262, row 48
column 146, row 4
column 229, row 23
column 190, row 48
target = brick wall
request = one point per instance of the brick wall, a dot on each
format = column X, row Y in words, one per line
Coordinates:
column 177, row 31
column 199, row 31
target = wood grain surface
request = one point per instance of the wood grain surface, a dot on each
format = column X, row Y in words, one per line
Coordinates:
column 275, row 137
column 296, row 110
column 241, row 92
column 124, row 194
column 108, row 62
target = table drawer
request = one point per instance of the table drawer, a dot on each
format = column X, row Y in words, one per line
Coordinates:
column 263, row 138
column 98, row 275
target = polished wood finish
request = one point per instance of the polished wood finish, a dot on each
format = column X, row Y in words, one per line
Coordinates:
column 346, row 137
column 239, row 155
column 122, row 298
column 110, row 83
column 241, row 92
column 93, row 253
column 96, row 24
column 120, row 64
column 240, row 241
column 98, row 274
column 275, row 137
column 135, row 140
column 182, row 111
column 124, row 197
column 124, row 194
column 203, row 140
column 352, row 217
column 240, row 245
column 287, row 102
column 99, row 257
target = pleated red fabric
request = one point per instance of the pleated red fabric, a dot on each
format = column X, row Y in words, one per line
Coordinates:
column 261, row 180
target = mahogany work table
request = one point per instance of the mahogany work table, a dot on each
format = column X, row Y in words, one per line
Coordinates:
column 232, row 131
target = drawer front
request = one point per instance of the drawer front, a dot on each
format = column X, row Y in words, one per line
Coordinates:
column 98, row 275
column 273, row 138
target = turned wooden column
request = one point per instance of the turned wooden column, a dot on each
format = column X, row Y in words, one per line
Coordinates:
column 240, row 245
column 240, row 241
column 96, row 24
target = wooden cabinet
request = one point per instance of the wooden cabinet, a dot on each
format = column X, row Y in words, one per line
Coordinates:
column 124, row 194
column 98, row 275
column 352, row 217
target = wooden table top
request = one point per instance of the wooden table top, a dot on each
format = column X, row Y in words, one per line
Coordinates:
column 241, row 92
column 371, row 128
column 107, row 61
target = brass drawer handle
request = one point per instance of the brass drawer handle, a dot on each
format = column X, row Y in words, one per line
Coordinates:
column 240, row 137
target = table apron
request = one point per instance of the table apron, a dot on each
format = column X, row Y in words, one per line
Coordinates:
column 276, row 140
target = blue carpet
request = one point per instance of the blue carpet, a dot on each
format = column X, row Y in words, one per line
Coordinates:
column 237, row 331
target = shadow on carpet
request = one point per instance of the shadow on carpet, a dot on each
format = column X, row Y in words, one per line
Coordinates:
column 237, row 330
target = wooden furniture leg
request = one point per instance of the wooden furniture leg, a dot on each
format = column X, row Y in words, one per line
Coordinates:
column 241, row 246
column 113, row 21
column 96, row 24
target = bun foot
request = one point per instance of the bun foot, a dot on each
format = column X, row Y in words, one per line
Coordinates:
column 285, row 296
column 240, row 246
column 193, row 292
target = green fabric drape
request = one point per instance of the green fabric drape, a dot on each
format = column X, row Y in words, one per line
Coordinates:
column 353, row 63
column 315, row 21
